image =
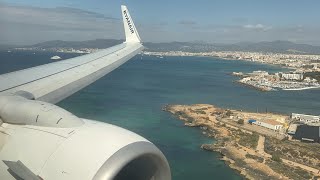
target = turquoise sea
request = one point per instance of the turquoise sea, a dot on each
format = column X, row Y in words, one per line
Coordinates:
column 132, row 97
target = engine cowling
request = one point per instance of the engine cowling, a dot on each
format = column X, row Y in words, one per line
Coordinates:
column 89, row 150
column 107, row 152
column 20, row 110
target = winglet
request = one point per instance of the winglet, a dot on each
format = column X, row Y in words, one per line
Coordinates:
column 131, row 32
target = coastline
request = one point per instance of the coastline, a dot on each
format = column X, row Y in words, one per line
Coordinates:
column 257, row 83
column 265, row 89
column 254, row 87
column 241, row 149
column 301, row 89
column 286, row 60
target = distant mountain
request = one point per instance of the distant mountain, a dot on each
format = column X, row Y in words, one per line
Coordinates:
column 280, row 46
column 273, row 46
column 179, row 46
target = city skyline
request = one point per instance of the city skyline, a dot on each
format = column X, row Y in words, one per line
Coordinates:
column 30, row 22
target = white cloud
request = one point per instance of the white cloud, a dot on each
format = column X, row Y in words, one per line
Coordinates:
column 257, row 27
column 27, row 25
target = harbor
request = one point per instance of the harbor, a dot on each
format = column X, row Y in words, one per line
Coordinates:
column 264, row 81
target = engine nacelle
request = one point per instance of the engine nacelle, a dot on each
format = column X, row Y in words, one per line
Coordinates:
column 88, row 150
column 107, row 152
column 19, row 110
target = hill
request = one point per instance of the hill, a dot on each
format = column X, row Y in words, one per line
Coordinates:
column 273, row 46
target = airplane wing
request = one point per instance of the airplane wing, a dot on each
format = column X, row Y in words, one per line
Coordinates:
column 39, row 140
column 54, row 81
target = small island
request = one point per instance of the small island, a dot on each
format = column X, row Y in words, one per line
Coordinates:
column 254, row 144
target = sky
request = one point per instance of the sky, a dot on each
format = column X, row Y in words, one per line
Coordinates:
column 26, row 22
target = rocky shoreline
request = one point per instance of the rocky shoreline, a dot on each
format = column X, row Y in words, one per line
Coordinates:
column 254, row 87
column 240, row 149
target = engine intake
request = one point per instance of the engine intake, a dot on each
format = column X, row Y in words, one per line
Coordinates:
column 139, row 160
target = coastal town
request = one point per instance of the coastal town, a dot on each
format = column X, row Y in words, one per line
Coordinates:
column 62, row 50
column 258, row 145
column 304, row 74
column 300, row 62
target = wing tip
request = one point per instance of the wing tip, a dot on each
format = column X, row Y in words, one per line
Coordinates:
column 131, row 32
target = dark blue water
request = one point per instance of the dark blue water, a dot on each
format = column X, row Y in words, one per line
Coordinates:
column 133, row 95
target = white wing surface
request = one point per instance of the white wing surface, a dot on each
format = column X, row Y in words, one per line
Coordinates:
column 55, row 81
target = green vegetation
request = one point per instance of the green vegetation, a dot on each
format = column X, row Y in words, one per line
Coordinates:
column 252, row 172
column 202, row 109
column 240, row 121
column 285, row 139
column 206, row 118
column 276, row 157
column 304, row 153
column 201, row 112
column 257, row 158
column 228, row 113
column 225, row 139
column 291, row 172
column 198, row 111
column 249, row 140
column 184, row 115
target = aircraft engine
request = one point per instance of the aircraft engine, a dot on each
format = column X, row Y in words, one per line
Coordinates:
column 47, row 142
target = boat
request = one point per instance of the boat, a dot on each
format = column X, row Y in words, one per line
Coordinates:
column 55, row 57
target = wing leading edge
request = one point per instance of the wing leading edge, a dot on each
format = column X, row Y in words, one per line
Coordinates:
column 55, row 81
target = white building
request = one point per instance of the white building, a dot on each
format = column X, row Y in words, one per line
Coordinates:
column 270, row 124
column 260, row 73
column 295, row 76
column 305, row 118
